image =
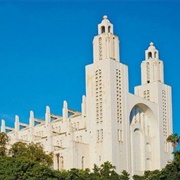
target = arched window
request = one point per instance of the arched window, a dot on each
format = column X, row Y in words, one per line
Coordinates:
column 82, row 162
column 148, row 164
column 155, row 54
column 61, row 162
column 57, row 157
column 102, row 29
column 137, row 130
column 109, row 29
column 149, row 55
column 138, row 150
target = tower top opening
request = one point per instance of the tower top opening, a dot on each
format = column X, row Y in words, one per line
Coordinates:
column 151, row 52
column 105, row 26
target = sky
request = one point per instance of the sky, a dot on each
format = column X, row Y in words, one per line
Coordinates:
column 46, row 44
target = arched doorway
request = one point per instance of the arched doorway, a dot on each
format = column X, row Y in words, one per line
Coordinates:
column 143, row 124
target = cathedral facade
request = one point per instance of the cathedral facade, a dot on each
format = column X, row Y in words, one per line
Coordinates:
column 129, row 130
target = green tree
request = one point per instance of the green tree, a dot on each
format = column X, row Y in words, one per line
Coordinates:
column 18, row 149
column 21, row 168
column 31, row 151
column 105, row 172
column 25, row 161
column 4, row 139
column 96, row 172
column 77, row 174
column 124, row 175
column 36, row 153
column 137, row 177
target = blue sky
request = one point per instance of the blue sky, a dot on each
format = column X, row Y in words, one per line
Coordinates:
column 45, row 45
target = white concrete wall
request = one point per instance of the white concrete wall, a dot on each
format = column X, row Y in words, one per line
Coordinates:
column 128, row 130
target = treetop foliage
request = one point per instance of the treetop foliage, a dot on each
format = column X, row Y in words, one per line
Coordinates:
column 29, row 162
column 3, row 143
column 31, row 151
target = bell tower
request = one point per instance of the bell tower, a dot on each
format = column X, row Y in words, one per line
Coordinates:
column 153, row 89
column 105, row 26
column 106, row 95
column 105, row 44
column 152, row 66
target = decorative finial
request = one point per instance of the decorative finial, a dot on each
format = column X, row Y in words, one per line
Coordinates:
column 151, row 44
column 105, row 17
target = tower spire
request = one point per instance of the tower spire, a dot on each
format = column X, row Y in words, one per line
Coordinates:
column 151, row 52
column 105, row 26
column 152, row 66
column 105, row 44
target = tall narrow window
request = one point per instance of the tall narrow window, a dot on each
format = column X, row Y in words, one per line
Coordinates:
column 102, row 29
column 113, row 53
column 97, row 135
column 118, row 95
column 82, row 162
column 61, row 162
column 99, row 95
column 57, row 157
column 100, row 48
column 120, row 135
column 148, row 72
column 148, row 163
column 77, row 125
column 109, row 29
column 155, row 54
column 165, row 126
column 101, row 134
column 149, row 55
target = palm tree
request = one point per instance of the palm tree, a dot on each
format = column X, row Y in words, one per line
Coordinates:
column 174, row 139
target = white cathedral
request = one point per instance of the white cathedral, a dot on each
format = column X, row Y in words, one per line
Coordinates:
column 129, row 130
